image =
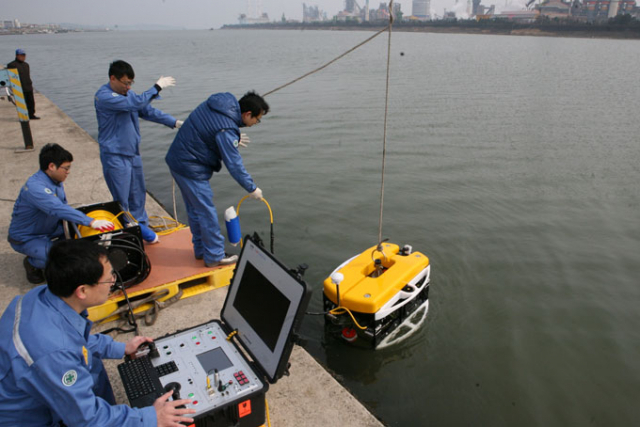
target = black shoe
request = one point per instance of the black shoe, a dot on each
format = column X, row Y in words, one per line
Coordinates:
column 34, row 118
column 198, row 257
column 224, row 261
column 34, row 275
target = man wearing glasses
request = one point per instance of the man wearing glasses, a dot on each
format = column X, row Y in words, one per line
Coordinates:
column 211, row 136
column 40, row 208
column 51, row 370
column 118, row 109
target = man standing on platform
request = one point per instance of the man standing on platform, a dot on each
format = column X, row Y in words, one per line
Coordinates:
column 210, row 137
column 118, row 109
column 40, row 208
column 25, row 81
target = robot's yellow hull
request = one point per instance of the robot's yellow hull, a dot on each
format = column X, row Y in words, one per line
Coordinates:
column 361, row 292
column 382, row 290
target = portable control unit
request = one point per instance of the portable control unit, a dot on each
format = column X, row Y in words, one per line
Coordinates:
column 264, row 306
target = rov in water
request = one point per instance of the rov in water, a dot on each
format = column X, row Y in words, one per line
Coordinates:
column 379, row 297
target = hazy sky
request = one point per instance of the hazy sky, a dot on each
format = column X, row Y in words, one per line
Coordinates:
column 185, row 13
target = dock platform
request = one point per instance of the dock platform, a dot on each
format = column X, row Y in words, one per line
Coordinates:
column 310, row 396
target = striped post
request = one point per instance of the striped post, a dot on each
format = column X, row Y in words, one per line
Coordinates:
column 10, row 78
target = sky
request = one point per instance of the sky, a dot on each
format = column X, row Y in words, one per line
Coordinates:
column 190, row 14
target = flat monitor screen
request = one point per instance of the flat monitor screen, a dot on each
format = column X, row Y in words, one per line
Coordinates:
column 263, row 303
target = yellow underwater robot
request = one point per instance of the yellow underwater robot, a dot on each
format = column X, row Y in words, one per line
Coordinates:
column 379, row 297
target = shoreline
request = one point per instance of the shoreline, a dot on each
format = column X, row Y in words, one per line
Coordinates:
column 602, row 32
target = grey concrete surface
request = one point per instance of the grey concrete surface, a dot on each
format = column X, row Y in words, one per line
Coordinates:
column 310, row 396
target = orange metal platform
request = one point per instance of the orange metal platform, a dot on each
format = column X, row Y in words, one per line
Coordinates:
column 173, row 267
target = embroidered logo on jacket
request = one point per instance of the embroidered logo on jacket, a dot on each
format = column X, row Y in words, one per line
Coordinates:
column 69, row 378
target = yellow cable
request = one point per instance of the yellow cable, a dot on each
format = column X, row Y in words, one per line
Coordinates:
column 265, row 202
column 341, row 310
column 165, row 229
column 231, row 335
column 266, row 405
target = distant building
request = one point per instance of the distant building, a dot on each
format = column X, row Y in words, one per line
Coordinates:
column 254, row 14
column 523, row 16
column 9, row 25
column 312, row 14
column 245, row 20
column 555, row 9
column 421, row 9
column 603, row 9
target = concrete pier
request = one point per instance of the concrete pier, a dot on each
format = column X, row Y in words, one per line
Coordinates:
column 310, row 396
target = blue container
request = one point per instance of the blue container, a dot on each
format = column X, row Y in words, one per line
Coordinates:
column 233, row 226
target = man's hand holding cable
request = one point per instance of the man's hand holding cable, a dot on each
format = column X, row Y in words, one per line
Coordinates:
column 164, row 82
column 256, row 194
column 102, row 225
column 244, row 140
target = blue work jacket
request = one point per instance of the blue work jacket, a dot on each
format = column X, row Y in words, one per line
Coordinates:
column 40, row 209
column 209, row 137
column 118, row 126
column 49, row 366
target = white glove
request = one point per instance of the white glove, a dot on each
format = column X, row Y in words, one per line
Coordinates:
column 256, row 194
column 179, row 124
column 244, row 140
column 164, row 82
column 102, row 225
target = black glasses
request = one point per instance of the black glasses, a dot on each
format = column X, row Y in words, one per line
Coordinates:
column 114, row 278
column 129, row 84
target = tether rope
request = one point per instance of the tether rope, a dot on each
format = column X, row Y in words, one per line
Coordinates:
column 330, row 62
column 384, row 137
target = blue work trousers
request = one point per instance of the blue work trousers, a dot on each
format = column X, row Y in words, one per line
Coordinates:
column 125, row 180
column 208, row 241
column 36, row 249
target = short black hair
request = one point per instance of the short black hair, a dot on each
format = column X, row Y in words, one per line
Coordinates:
column 253, row 102
column 73, row 263
column 119, row 69
column 53, row 153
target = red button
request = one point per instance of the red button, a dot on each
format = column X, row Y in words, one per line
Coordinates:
column 195, row 402
column 198, row 343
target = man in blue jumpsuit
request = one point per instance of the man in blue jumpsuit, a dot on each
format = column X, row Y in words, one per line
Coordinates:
column 210, row 136
column 51, row 372
column 40, row 208
column 118, row 109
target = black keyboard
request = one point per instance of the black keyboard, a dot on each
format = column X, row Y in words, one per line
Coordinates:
column 141, row 381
